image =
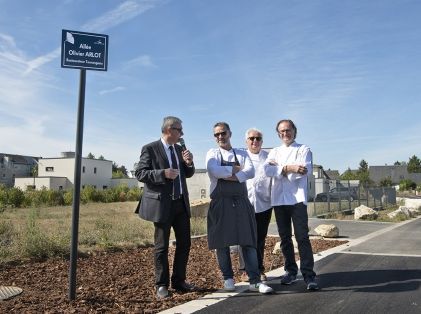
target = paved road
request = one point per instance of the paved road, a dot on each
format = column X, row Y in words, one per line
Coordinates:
column 379, row 271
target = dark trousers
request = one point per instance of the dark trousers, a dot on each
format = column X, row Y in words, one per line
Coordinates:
column 298, row 215
column 262, row 222
column 180, row 222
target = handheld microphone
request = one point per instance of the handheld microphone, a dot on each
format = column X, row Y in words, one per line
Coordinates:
column 182, row 143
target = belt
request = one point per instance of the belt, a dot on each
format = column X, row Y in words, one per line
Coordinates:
column 178, row 198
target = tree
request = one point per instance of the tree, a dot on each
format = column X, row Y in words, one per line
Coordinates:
column 34, row 172
column 363, row 166
column 349, row 175
column 119, row 171
column 101, row 157
column 386, row 182
column 414, row 165
column 363, row 174
column 90, row 156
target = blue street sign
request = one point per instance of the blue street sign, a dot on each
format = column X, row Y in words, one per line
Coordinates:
column 84, row 50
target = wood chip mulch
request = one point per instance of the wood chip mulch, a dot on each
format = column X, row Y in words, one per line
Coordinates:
column 118, row 282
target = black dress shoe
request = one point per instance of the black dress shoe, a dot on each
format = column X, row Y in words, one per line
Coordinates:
column 162, row 292
column 183, row 287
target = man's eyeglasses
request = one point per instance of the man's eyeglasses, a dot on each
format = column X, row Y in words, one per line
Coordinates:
column 220, row 134
column 257, row 138
column 178, row 129
column 285, row 131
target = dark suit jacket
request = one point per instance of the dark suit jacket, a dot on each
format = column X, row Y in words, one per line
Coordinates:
column 155, row 204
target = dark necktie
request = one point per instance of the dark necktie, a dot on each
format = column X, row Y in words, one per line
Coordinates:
column 176, row 181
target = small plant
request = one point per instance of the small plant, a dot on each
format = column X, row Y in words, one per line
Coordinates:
column 407, row 184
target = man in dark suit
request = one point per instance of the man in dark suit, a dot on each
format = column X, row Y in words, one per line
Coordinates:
column 163, row 168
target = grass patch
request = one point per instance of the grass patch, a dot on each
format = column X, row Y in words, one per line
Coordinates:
column 44, row 232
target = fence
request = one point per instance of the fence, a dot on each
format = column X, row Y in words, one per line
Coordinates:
column 344, row 197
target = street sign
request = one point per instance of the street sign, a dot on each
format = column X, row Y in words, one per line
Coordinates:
column 84, row 50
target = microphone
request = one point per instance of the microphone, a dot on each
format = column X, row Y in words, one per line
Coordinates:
column 182, row 143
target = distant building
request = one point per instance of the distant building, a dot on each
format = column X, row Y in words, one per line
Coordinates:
column 58, row 174
column 15, row 166
column 396, row 173
column 333, row 174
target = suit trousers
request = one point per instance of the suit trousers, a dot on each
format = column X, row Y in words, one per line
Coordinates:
column 298, row 215
column 180, row 222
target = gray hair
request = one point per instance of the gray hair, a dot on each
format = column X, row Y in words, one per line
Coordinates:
column 253, row 130
column 169, row 122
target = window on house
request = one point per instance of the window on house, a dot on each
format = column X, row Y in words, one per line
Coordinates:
column 83, row 186
column 83, row 169
column 49, row 169
column 60, row 188
column 95, row 170
column 104, row 187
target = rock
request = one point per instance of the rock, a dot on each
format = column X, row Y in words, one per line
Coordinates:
column 327, row 231
column 199, row 208
column 408, row 212
column 364, row 212
column 277, row 248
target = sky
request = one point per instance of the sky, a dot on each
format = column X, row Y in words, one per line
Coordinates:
column 346, row 72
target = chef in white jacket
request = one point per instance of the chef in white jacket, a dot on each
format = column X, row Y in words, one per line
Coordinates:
column 258, row 189
column 288, row 166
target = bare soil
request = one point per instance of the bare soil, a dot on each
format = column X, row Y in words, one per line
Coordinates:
column 118, row 282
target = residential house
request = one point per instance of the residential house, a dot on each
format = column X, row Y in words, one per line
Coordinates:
column 15, row 166
column 58, row 174
column 397, row 173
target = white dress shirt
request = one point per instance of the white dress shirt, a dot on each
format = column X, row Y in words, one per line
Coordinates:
column 290, row 189
column 216, row 171
column 259, row 186
column 168, row 152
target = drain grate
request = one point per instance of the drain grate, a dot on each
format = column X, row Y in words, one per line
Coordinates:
column 9, row 292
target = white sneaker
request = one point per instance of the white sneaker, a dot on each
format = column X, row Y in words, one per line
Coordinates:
column 261, row 287
column 229, row 285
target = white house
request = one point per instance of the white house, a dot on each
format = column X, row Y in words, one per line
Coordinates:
column 58, row 174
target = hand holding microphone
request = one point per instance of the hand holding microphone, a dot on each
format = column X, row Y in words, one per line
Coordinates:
column 187, row 155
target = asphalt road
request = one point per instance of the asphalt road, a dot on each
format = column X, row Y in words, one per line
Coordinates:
column 379, row 271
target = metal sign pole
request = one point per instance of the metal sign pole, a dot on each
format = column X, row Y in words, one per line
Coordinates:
column 76, row 190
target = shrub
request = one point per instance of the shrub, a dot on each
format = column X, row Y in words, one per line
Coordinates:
column 110, row 195
column 39, row 244
column 386, row 182
column 3, row 197
column 90, row 194
column 68, row 197
column 15, row 197
column 406, row 185
column 134, row 194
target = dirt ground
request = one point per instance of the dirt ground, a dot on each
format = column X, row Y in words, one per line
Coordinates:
column 118, row 282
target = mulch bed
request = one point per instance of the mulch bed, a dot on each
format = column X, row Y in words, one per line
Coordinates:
column 118, row 282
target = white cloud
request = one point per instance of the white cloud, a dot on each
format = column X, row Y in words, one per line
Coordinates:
column 112, row 90
column 124, row 12
column 142, row 61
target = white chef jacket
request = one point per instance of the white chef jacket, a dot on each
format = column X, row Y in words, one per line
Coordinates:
column 259, row 186
column 216, row 171
column 290, row 189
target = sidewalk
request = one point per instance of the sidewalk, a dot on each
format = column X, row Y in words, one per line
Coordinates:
column 377, row 271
